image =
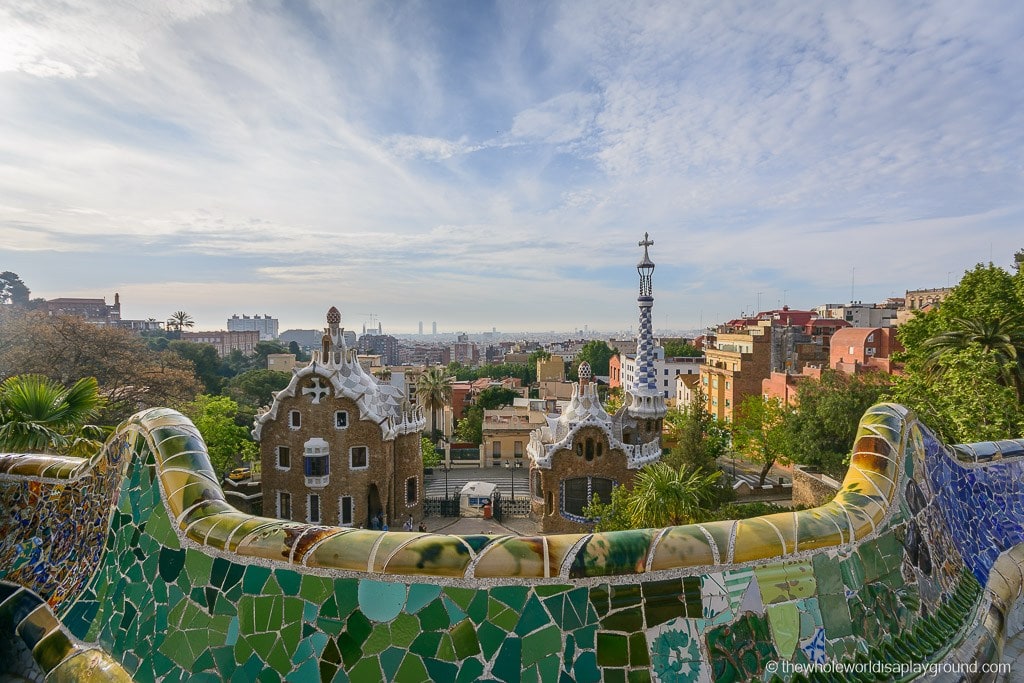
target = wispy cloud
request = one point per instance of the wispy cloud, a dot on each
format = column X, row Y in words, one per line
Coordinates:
column 507, row 157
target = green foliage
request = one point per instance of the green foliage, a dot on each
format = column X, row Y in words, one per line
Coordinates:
column 661, row 496
column 597, row 353
column 759, row 431
column 38, row 414
column 470, row 428
column 821, row 431
column 205, row 363
column 256, row 388
column 613, row 400
column 433, row 391
column 964, row 362
column 696, row 437
column 677, row 348
column 13, row 290
column 431, row 458
column 179, row 320
column 226, row 441
column 493, row 398
column 523, row 371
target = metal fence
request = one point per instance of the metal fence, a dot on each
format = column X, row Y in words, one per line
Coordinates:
column 441, row 507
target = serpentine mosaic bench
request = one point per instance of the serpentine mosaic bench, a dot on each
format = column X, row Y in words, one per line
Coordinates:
column 132, row 566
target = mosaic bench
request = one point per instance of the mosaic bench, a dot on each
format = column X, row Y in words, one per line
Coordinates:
column 133, row 566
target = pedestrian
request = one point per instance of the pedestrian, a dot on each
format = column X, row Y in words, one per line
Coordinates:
column 423, row 527
column 375, row 522
column 408, row 524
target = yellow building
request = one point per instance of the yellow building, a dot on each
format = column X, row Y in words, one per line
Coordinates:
column 551, row 370
column 506, row 431
column 735, row 366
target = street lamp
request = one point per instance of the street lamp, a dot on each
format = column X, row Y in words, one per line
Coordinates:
column 446, row 466
column 512, row 469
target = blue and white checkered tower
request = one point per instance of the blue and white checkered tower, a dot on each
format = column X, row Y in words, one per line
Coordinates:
column 647, row 401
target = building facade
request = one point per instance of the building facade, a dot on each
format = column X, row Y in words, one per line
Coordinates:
column 585, row 452
column 264, row 324
column 94, row 311
column 225, row 342
column 338, row 447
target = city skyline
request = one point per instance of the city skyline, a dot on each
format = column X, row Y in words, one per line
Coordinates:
column 494, row 165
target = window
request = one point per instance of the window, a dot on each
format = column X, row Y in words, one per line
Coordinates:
column 284, row 505
column 340, row 419
column 590, row 449
column 284, row 457
column 577, row 494
column 410, row 491
column 496, row 449
column 666, row 372
column 600, row 449
column 345, row 511
column 295, row 419
column 358, row 458
column 313, row 508
column 317, row 466
column 517, row 447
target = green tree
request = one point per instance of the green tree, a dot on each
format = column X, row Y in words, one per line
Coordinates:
column 1000, row 338
column 959, row 364
column 227, row 442
column 205, row 363
column 38, row 414
column 179, row 320
column 597, row 353
column 678, row 348
column 13, row 290
column 493, row 398
column 431, row 458
column 822, row 428
column 66, row 348
column 256, row 388
column 661, row 496
column 696, row 437
column 433, row 392
column 759, row 431
column 613, row 400
column 470, row 429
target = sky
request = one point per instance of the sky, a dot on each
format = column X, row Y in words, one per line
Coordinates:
column 494, row 164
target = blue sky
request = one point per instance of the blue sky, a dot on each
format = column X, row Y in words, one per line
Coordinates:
column 494, row 164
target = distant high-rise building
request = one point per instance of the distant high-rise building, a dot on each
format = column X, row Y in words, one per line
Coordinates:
column 433, row 327
column 264, row 324
column 421, row 327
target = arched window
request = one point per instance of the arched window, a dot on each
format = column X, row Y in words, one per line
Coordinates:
column 590, row 449
column 577, row 493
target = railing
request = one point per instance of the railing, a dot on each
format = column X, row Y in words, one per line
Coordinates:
column 318, row 482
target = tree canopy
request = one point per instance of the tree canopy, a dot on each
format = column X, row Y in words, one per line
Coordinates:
column 597, row 353
column 678, row 348
column 696, row 439
column 227, row 442
column 759, row 431
column 964, row 361
column 38, row 414
column 13, row 290
column 822, row 428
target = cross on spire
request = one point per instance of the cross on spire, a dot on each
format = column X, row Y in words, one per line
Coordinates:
column 646, row 242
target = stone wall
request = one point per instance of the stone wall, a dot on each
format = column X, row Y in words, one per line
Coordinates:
column 811, row 488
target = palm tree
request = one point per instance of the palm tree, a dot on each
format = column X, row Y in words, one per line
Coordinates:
column 664, row 496
column 433, row 391
column 1002, row 338
column 180, row 319
column 38, row 414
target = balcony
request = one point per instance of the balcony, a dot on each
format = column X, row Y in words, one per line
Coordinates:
column 317, row 482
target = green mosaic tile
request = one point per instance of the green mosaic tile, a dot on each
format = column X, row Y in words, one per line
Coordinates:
column 315, row 589
column 835, row 613
column 613, row 675
column 455, row 614
column 638, row 653
column 501, row 615
column 547, row 590
column 827, row 574
column 288, row 580
column 390, row 660
column 380, row 600
column 542, row 643
column 663, row 601
column 491, row 637
column 508, row 664
column 350, row 650
column 599, row 597
column 533, row 617
column 171, row 564
column 359, row 627
column 331, row 654
column 446, row 649
column 412, row 670
column 420, row 595
column 404, row 630
column 379, row 640
column 513, row 596
column 198, row 566
column 434, row 617
column 461, row 596
column 639, row 676
column 612, row 649
column 477, row 609
column 308, row 671
column 346, row 595
column 441, row 671
column 629, row 619
column 465, row 641
column 255, row 578
column 426, row 644
column 367, row 671
column 471, row 671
